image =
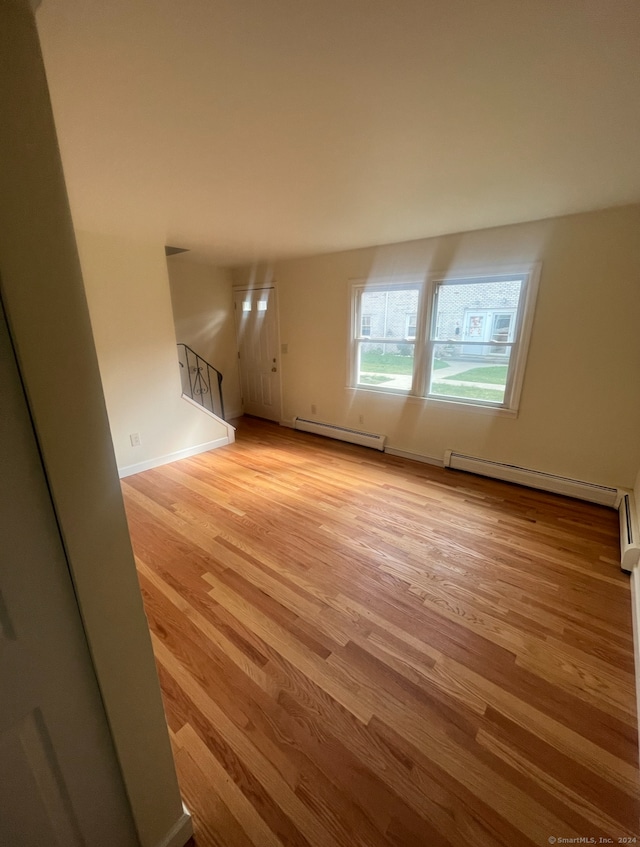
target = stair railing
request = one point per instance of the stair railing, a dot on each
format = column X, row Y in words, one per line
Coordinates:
column 200, row 380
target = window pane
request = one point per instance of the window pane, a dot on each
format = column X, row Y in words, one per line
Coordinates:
column 388, row 311
column 476, row 311
column 476, row 324
column 389, row 365
column 480, row 375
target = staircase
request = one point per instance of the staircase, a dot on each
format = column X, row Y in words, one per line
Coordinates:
column 201, row 381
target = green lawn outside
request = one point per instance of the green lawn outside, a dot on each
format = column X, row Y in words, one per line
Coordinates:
column 468, row 392
column 390, row 363
column 378, row 368
column 494, row 374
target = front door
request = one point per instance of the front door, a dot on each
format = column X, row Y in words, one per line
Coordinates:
column 60, row 784
column 257, row 325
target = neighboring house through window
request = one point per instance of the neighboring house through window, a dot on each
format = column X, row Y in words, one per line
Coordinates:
column 382, row 350
column 454, row 339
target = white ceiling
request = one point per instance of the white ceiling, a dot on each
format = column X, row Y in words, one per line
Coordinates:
column 248, row 129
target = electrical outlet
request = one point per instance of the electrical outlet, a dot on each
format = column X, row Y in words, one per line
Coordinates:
column 284, row 349
column 134, row 438
column 314, row 408
column 361, row 419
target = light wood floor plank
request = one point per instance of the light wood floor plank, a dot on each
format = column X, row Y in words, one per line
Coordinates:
column 355, row 649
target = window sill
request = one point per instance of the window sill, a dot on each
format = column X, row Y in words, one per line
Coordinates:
column 477, row 408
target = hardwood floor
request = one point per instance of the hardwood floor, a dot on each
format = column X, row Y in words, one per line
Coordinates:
column 355, row 649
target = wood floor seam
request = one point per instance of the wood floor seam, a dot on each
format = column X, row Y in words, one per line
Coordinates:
column 357, row 649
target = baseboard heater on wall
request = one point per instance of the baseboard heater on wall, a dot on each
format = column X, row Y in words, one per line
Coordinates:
column 629, row 536
column 342, row 433
column 534, row 479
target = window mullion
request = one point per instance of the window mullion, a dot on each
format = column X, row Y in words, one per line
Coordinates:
column 512, row 373
column 421, row 367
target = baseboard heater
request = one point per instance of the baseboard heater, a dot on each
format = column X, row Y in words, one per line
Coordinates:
column 342, row 433
column 629, row 536
column 534, row 479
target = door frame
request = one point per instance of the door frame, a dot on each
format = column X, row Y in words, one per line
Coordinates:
column 272, row 286
column 55, row 719
column 45, row 302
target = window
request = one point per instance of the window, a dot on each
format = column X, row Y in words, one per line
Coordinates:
column 383, row 352
column 453, row 339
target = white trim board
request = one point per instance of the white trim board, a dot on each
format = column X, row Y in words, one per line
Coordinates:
column 180, row 832
column 635, row 618
column 129, row 470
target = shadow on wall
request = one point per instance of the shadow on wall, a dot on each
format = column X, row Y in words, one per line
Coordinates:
column 202, row 303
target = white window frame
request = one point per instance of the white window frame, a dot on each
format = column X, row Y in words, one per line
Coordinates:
column 424, row 342
column 355, row 330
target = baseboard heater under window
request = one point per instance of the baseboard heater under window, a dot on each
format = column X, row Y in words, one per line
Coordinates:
column 534, row 479
column 629, row 537
column 342, row 433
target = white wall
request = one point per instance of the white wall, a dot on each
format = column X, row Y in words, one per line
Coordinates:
column 127, row 289
column 580, row 408
column 202, row 300
column 45, row 300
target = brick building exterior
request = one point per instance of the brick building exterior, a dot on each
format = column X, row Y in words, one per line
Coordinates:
column 475, row 311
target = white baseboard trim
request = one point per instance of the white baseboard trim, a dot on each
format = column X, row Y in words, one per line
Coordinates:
column 589, row 491
column 415, row 457
column 635, row 617
column 289, row 424
column 180, row 832
column 129, row 470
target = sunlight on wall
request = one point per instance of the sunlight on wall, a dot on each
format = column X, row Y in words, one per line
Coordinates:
column 202, row 301
column 577, row 416
column 128, row 295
